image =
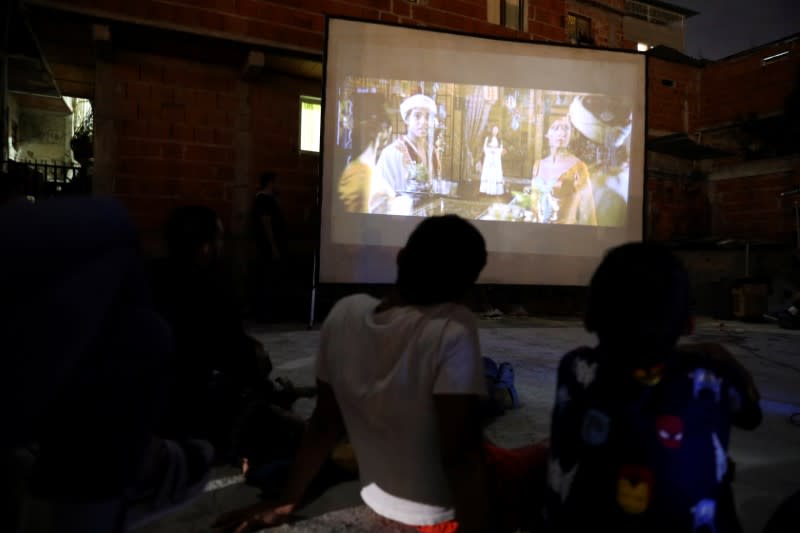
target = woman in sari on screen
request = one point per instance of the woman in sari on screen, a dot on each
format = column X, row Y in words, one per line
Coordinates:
column 561, row 188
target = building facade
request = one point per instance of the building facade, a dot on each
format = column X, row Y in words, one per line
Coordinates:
column 193, row 99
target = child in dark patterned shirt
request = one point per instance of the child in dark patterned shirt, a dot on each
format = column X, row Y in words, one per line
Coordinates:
column 641, row 426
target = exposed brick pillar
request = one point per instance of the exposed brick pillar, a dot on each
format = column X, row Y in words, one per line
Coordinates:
column 240, row 193
column 105, row 134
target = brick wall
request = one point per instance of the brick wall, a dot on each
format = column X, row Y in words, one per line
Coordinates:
column 673, row 96
column 172, row 125
column 677, row 209
column 173, row 132
column 708, row 102
column 739, row 86
column 275, row 134
column 546, row 20
column 300, row 23
column 606, row 24
column 749, row 207
column 732, row 90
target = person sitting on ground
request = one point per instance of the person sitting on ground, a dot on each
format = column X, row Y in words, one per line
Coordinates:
column 789, row 317
column 84, row 357
column 405, row 377
column 215, row 361
column 641, row 426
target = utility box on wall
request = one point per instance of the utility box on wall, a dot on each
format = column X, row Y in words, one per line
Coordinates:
column 750, row 299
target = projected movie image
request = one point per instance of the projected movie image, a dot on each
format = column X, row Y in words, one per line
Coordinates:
column 418, row 148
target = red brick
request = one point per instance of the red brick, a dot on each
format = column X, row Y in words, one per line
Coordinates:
column 309, row 5
column 219, row 119
column 180, row 132
column 204, row 99
column 145, row 186
column 459, row 7
column 204, row 135
column 163, row 94
column 308, row 40
column 227, row 102
column 211, row 20
column 235, row 25
column 388, row 17
column 548, row 17
column 187, row 16
column 162, row 11
column 435, row 17
column 124, row 109
column 126, row 148
column 138, row 91
column 223, row 136
column 225, row 5
column 208, row 153
column 125, row 71
column 401, row 8
column 201, row 189
column 222, row 172
column 252, row 8
column 381, row 5
column 172, row 150
column 335, row 7
column 131, row 128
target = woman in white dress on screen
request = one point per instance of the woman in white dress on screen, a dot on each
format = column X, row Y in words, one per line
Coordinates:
column 492, row 171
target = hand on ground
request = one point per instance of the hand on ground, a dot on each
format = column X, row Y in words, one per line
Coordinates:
column 253, row 518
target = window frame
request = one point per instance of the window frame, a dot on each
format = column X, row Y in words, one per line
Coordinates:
column 574, row 39
column 310, row 100
column 521, row 15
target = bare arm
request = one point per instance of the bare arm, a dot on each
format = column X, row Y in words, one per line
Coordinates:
column 462, row 456
column 266, row 223
column 324, row 430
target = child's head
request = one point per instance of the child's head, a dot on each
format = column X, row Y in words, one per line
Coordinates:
column 639, row 299
column 266, row 179
column 441, row 261
column 194, row 234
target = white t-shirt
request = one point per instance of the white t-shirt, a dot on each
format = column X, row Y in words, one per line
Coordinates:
column 384, row 370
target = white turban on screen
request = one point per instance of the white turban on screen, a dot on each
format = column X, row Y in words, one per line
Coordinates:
column 417, row 101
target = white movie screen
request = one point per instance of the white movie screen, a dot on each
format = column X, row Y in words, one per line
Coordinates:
column 540, row 146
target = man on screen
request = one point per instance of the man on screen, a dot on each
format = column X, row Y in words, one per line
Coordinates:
column 407, row 164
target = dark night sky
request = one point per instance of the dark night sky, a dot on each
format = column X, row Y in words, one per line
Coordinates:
column 725, row 27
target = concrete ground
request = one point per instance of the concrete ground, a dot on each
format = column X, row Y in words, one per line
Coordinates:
column 768, row 459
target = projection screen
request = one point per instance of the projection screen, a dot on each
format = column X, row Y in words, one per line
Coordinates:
column 540, row 146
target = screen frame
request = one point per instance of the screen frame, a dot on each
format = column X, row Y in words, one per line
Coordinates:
column 460, row 33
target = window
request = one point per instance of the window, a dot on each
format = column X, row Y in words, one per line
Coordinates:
column 512, row 14
column 310, row 123
column 579, row 29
